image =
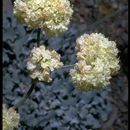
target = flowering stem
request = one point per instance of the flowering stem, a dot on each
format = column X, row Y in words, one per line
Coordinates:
column 26, row 96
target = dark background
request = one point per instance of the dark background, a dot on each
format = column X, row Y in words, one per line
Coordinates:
column 59, row 106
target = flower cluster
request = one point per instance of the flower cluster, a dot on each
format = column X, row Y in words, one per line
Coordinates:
column 41, row 62
column 10, row 118
column 52, row 16
column 97, row 61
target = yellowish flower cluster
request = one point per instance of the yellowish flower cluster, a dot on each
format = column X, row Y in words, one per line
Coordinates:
column 41, row 62
column 10, row 118
column 97, row 61
column 52, row 16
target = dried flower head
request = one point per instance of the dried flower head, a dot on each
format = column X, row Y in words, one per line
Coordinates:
column 10, row 118
column 52, row 16
column 97, row 61
column 41, row 62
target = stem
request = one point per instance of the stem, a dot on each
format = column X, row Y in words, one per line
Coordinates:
column 26, row 96
column 38, row 37
column 68, row 66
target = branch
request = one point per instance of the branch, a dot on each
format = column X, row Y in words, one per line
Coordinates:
column 26, row 96
column 68, row 66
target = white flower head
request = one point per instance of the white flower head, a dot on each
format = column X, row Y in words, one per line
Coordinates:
column 52, row 16
column 43, row 61
column 97, row 62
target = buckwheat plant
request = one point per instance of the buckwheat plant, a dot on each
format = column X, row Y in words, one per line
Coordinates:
column 97, row 57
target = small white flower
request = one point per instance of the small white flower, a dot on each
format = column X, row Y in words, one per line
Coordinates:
column 30, row 66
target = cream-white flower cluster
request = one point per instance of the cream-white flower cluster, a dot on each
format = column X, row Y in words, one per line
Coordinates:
column 10, row 118
column 97, row 61
column 52, row 16
column 41, row 62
